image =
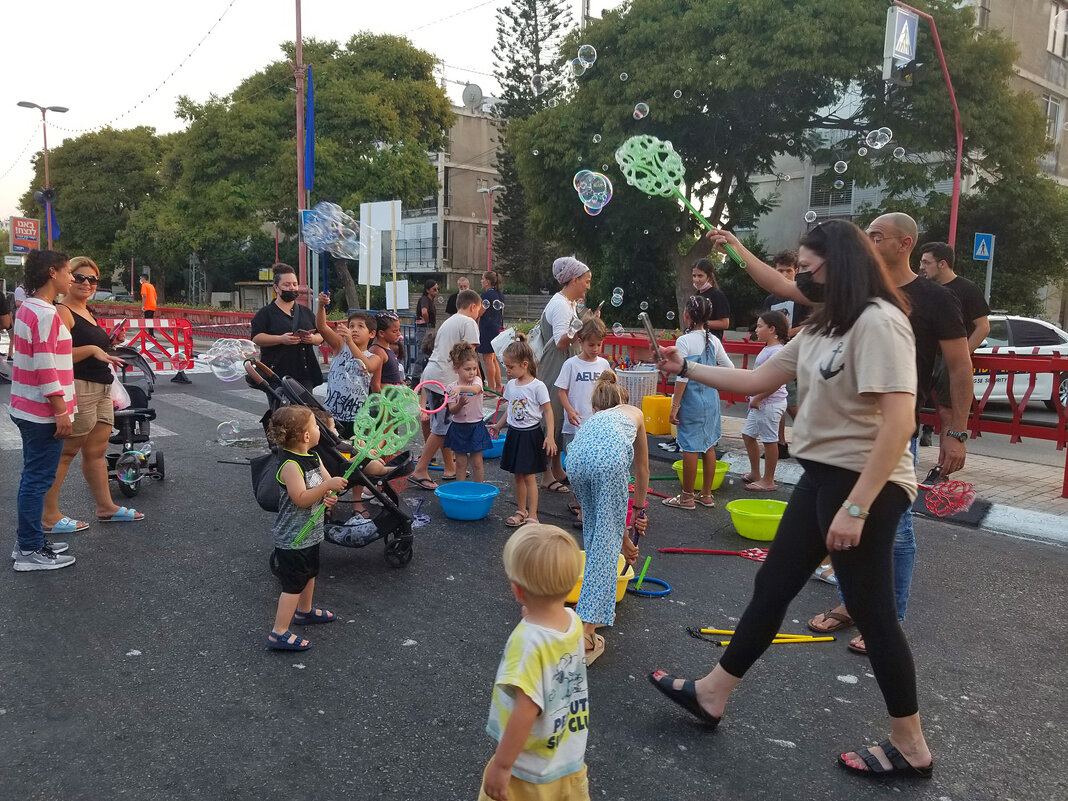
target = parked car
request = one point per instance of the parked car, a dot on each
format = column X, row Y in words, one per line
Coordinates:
column 103, row 294
column 1013, row 335
column 124, row 299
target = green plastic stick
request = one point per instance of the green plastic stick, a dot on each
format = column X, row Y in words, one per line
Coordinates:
column 641, row 576
column 730, row 250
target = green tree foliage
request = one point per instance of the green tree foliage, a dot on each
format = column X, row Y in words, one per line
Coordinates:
column 101, row 180
column 529, row 34
column 756, row 80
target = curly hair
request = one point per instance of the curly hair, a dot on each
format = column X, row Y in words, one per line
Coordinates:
column 288, row 424
column 38, row 270
column 461, row 353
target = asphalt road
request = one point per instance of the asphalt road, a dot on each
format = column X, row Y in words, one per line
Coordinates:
column 140, row 672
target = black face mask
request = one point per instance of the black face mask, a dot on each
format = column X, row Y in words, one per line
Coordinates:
column 809, row 288
column 288, row 295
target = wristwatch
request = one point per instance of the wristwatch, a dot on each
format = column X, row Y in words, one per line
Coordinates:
column 960, row 436
column 854, row 510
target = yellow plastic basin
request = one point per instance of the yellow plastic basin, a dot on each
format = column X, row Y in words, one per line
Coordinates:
column 717, row 480
column 756, row 518
column 621, row 581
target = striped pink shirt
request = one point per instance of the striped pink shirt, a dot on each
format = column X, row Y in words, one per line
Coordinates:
column 43, row 365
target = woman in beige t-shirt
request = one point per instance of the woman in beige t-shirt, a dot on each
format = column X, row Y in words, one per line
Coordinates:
column 855, row 367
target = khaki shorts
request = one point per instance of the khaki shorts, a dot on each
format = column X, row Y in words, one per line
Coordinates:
column 94, row 406
column 574, row 787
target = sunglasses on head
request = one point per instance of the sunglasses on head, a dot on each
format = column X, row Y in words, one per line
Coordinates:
column 92, row 280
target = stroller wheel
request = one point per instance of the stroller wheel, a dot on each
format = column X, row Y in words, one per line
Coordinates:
column 129, row 490
column 158, row 471
column 399, row 552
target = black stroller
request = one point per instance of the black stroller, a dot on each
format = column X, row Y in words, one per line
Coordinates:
column 391, row 523
column 139, row 458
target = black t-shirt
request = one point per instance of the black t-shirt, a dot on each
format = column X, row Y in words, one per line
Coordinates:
column 720, row 307
column 795, row 313
column 296, row 361
column 972, row 303
column 935, row 316
column 87, row 333
column 4, row 308
column 450, row 304
column 426, row 302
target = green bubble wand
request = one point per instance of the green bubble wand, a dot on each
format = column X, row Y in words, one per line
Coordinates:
column 655, row 168
column 385, row 424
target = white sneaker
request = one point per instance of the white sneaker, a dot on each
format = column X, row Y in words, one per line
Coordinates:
column 54, row 547
column 42, row 559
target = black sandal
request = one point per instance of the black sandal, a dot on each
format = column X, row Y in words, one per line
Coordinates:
column 685, row 696
column 899, row 765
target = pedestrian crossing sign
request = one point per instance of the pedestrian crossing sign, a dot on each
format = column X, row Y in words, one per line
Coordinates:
column 905, row 25
column 984, row 247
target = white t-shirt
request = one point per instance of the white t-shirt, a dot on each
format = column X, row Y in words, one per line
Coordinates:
column 578, row 377
column 549, row 666
column 559, row 312
column 458, row 328
column 693, row 344
column 525, row 402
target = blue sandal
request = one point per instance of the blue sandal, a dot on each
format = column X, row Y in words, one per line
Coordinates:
column 313, row 616
column 287, row 641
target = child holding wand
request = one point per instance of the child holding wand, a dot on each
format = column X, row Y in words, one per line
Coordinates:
column 467, row 436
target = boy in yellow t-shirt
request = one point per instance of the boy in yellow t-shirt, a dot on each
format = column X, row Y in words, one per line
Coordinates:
column 540, row 706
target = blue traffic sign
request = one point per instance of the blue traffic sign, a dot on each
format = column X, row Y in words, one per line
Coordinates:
column 905, row 24
column 984, row 247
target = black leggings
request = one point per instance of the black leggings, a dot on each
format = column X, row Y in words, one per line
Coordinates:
column 865, row 574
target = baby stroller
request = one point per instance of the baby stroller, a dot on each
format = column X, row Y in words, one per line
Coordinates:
column 391, row 523
column 138, row 458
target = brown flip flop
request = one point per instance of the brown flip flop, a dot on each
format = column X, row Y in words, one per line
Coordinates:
column 844, row 621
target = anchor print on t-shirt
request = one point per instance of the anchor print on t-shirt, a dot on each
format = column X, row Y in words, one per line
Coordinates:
column 827, row 369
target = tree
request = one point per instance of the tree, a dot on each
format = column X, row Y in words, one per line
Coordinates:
column 529, row 34
column 101, row 179
column 736, row 84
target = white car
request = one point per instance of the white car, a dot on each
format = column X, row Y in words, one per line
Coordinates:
column 1013, row 335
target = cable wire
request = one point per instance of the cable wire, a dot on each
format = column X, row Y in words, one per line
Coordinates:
column 18, row 158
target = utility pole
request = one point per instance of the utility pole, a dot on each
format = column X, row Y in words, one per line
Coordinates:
column 298, row 73
column 48, row 180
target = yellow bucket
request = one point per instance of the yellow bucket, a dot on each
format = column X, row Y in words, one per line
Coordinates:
column 657, row 411
column 621, row 581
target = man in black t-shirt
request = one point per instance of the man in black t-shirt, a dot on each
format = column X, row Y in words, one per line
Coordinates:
column 450, row 304
column 936, row 262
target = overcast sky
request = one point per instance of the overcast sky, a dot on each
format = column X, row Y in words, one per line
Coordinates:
column 105, row 59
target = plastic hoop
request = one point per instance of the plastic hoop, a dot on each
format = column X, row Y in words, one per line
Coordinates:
column 649, row 593
column 422, row 384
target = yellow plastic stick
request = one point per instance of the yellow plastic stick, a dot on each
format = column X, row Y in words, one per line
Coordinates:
column 777, row 636
column 789, row 641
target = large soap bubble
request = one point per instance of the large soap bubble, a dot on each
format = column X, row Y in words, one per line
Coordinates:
column 840, row 167
column 618, row 329
column 131, row 467
column 538, row 84
column 641, row 111
column 878, row 139
column 587, row 54
column 594, row 189
column 578, row 67
column 617, row 301
column 327, row 228
column 899, row 153
column 498, row 305
column 226, row 358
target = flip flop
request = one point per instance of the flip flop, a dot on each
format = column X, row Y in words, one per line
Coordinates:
column 858, row 649
column 592, row 654
column 314, row 616
column 422, row 483
column 67, row 525
column 557, row 486
column 899, row 766
column 844, row 621
column 124, row 515
column 447, row 477
column 755, row 488
column 685, row 696
column 282, row 642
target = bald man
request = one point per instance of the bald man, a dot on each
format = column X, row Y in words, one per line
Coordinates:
column 937, row 324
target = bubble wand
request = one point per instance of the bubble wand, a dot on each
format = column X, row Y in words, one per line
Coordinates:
column 384, row 424
column 655, row 168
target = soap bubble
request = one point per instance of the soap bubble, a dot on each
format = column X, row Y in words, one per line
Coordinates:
column 840, row 167
column 596, row 138
column 578, row 67
column 810, row 216
column 535, row 152
column 538, row 84
column 646, row 231
column 485, row 304
column 604, row 167
column 839, row 184
column 587, row 54
column 899, row 152
column 677, row 94
column 228, row 432
column 593, row 211
column 553, row 103
column 862, row 151
column 623, row 76
column 644, row 305
column 641, row 111
column 618, row 291
column 887, row 133
column 618, row 329
column 789, row 142
column 440, row 300
column 594, row 190
column 498, row 305
column 670, row 315
column 617, row 301
column 878, row 139
column 574, row 327
column 131, row 467
column 678, row 230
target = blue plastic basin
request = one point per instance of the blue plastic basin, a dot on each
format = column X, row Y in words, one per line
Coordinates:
column 466, row 500
column 496, row 449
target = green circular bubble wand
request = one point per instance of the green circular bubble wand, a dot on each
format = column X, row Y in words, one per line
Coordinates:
column 655, row 168
column 385, row 424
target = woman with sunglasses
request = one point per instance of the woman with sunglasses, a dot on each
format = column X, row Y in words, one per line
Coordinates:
column 854, row 362
column 95, row 417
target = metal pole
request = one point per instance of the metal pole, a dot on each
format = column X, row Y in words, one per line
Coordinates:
column 989, row 271
column 298, row 71
column 393, row 244
column 489, row 235
column 955, row 201
column 48, row 179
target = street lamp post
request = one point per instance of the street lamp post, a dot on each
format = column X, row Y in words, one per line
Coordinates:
column 48, row 181
column 483, row 190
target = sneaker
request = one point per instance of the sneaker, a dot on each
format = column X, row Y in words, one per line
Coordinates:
column 54, row 547
column 671, row 446
column 43, row 559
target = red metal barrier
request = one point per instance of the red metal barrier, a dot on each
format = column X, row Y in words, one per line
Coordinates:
column 166, row 343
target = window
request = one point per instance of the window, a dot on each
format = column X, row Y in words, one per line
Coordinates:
column 999, row 333
column 824, row 192
column 1052, row 108
column 1058, row 30
column 1032, row 334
